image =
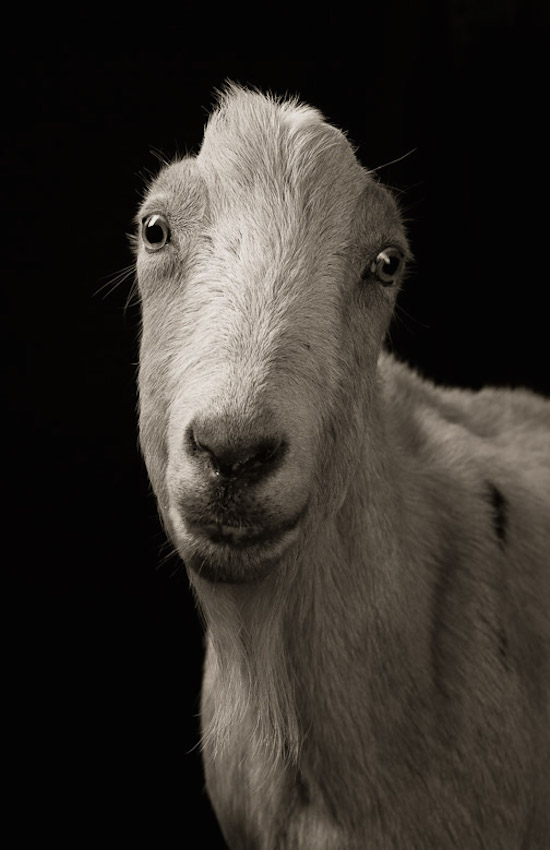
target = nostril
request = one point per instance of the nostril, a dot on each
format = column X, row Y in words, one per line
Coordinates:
column 255, row 456
column 233, row 453
column 194, row 442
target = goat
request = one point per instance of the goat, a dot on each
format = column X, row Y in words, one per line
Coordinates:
column 370, row 553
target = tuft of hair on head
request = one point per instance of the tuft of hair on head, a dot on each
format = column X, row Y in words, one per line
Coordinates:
column 277, row 144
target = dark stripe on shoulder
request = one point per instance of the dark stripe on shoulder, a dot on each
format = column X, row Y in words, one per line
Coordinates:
column 499, row 505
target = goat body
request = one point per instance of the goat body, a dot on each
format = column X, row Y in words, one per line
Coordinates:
column 371, row 553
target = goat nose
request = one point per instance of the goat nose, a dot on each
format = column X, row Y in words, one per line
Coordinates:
column 234, row 453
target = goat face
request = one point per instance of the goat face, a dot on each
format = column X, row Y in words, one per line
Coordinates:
column 261, row 331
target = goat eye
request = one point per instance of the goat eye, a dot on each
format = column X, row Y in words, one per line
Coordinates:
column 155, row 232
column 387, row 265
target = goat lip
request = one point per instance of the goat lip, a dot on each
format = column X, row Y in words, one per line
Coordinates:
column 238, row 536
column 242, row 537
column 228, row 554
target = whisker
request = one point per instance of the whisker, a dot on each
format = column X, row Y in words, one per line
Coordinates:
column 169, row 553
column 403, row 319
column 115, row 280
column 133, row 296
column 393, row 161
column 159, row 155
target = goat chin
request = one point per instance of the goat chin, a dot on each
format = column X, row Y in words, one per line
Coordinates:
column 369, row 552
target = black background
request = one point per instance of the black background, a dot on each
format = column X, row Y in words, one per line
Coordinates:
column 103, row 643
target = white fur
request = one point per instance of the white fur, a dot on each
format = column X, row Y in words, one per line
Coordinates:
column 378, row 676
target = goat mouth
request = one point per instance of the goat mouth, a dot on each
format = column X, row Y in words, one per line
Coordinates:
column 226, row 550
column 244, row 537
column 238, row 536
